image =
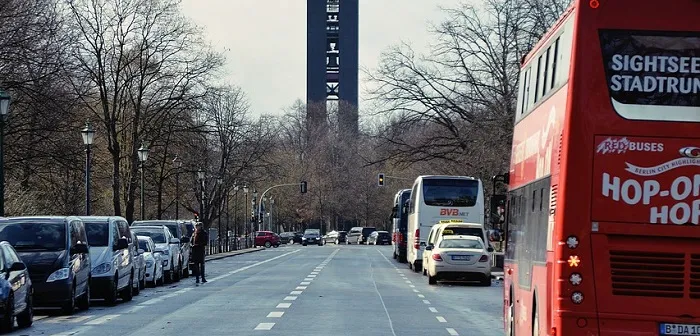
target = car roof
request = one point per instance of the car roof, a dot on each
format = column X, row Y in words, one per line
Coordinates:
column 467, row 237
column 161, row 227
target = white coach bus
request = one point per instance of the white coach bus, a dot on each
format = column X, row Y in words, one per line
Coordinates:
column 438, row 197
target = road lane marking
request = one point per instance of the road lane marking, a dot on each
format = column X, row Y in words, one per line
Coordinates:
column 251, row 266
column 416, row 291
column 412, row 286
column 314, row 272
column 309, row 279
column 284, row 305
column 421, row 296
column 70, row 319
column 426, row 301
column 305, row 283
column 452, row 332
column 265, row 326
column 295, row 292
column 135, row 309
column 39, row 318
column 102, row 319
column 311, row 275
column 73, row 332
column 440, row 319
column 275, row 314
column 290, row 298
column 301, row 287
column 432, row 309
column 408, row 281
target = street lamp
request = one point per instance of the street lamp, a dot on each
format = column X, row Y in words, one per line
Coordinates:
column 143, row 156
column 219, row 183
column 88, row 134
column 235, row 215
column 201, row 175
column 4, row 107
column 245, row 211
column 272, row 214
column 177, row 163
column 254, row 217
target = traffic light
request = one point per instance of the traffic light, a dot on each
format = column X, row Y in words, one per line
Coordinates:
column 196, row 216
column 380, row 180
column 303, row 187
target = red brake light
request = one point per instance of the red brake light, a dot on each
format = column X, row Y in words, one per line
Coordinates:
column 484, row 258
column 437, row 257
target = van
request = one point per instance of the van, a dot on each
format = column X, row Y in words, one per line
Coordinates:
column 359, row 234
column 113, row 271
column 56, row 252
column 454, row 228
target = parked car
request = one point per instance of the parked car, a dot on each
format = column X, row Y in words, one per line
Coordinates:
column 113, row 271
column 379, row 238
column 359, row 235
column 154, row 264
column 139, row 264
column 166, row 245
column 286, row 237
column 56, row 253
column 312, row 236
column 267, row 239
column 297, row 239
column 15, row 290
column 336, row 237
column 179, row 230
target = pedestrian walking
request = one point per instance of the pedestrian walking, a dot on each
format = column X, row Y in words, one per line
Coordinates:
column 199, row 241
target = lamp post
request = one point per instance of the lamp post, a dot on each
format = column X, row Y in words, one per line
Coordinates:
column 4, row 107
column 143, row 156
column 219, row 183
column 272, row 214
column 201, row 175
column 177, row 163
column 235, row 215
column 254, row 217
column 263, row 208
column 88, row 134
column 245, row 211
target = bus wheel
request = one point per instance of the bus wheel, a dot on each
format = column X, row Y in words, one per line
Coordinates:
column 510, row 322
column 536, row 321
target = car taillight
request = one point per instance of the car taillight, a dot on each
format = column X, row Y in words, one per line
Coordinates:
column 484, row 258
column 437, row 257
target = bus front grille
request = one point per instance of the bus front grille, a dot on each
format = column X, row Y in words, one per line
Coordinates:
column 695, row 276
column 651, row 274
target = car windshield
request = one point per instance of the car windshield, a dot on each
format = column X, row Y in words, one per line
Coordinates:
column 98, row 233
column 312, row 232
column 461, row 243
column 463, row 231
column 157, row 235
column 383, row 234
column 450, row 192
column 172, row 227
column 34, row 235
column 367, row 231
column 143, row 244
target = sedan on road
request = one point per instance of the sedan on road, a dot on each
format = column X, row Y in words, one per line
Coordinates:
column 458, row 258
column 15, row 290
column 312, row 236
column 379, row 238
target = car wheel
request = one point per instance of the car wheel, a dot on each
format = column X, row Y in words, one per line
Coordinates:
column 177, row 274
column 394, row 255
column 69, row 307
column 84, row 301
column 8, row 320
column 136, row 287
column 26, row 318
column 486, row 282
column 268, row 244
column 127, row 293
column 186, row 271
column 111, row 297
column 303, row 244
column 432, row 280
column 143, row 282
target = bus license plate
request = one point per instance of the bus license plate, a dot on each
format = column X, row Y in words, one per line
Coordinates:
column 466, row 258
column 679, row 329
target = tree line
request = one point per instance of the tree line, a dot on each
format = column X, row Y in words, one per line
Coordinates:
column 142, row 74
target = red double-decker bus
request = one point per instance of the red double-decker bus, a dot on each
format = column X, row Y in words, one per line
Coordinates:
column 602, row 232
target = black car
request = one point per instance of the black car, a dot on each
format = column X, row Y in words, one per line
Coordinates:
column 55, row 250
column 312, row 236
column 286, row 237
column 15, row 290
column 379, row 238
column 298, row 238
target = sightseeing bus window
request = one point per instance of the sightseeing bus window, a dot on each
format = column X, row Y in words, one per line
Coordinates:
column 450, row 192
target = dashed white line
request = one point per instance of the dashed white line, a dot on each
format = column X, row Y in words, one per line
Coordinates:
column 295, row 292
column 421, row 296
column 408, row 281
column 416, row 291
column 426, row 301
column 73, row 332
column 284, row 305
column 305, row 283
column 102, row 319
column 290, row 298
column 265, row 326
column 314, row 272
column 412, row 286
column 301, row 287
column 275, row 314
column 440, row 319
column 72, row 319
column 452, row 332
column 432, row 309
column 309, row 279
column 311, row 275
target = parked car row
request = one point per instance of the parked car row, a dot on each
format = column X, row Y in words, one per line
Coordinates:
column 65, row 262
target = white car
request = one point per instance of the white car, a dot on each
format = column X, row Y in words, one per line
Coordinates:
column 154, row 263
column 166, row 245
column 458, row 257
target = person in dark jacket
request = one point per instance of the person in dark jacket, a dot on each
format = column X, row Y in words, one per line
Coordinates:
column 199, row 241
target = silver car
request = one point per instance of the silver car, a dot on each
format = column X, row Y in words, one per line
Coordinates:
column 458, row 257
column 154, row 263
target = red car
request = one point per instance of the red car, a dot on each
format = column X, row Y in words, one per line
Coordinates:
column 267, row 239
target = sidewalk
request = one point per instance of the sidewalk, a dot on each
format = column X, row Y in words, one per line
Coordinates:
column 232, row 253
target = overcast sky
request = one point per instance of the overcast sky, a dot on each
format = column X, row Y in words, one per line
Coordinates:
column 265, row 40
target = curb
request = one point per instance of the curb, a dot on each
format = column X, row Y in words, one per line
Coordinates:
column 231, row 254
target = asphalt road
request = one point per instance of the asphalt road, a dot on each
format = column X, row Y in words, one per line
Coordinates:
column 295, row 290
